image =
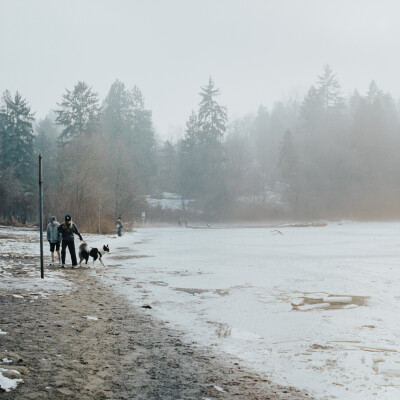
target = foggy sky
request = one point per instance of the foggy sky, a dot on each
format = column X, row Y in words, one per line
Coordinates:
column 257, row 51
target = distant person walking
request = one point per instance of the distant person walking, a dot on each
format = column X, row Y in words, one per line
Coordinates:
column 119, row 226
column 67, row 230
column 54, row 238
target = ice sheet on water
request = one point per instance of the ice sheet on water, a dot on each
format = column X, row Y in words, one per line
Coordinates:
column 330, row 351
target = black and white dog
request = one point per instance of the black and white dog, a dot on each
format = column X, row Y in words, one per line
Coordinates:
column 85, row 253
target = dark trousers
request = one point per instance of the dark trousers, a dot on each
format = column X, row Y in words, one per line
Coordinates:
column 119, row 231
column 71, row 246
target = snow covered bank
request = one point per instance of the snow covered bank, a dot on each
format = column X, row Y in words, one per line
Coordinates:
column 316, row 308
column 20, row 263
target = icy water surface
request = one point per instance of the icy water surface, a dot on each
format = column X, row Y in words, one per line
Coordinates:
column 315, row 307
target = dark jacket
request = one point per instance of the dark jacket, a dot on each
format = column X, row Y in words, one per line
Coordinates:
column 67, row 232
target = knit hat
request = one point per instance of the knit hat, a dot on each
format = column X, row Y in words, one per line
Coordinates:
column 52, row 219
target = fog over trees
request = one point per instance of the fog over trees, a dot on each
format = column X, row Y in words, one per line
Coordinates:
column 325, row 156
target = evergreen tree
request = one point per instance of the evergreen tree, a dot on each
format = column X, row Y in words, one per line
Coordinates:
column 212, row 116
column 311, row 111
column 46, row 138
column 190, row 168
column 202, row 153
column 78, row 112
column 17, row 161
column 373, row 92
column 17, row 137
column 329, row 91
column 117, row 112
column 129, row 133
column 142, row 139
column 192, row 132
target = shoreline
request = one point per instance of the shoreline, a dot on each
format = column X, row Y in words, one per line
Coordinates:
column 120, row 352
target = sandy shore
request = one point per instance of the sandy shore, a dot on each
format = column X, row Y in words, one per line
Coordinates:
column 123, row 354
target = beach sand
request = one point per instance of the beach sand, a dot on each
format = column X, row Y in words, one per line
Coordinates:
column 90, row 343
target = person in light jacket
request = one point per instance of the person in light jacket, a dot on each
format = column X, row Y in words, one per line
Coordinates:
column 54, row 238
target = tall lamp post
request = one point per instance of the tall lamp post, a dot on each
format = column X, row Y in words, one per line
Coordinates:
column 41, row 216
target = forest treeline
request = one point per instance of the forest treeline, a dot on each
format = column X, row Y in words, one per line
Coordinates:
column 325, row 155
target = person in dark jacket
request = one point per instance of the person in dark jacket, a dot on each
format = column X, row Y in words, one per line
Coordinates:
column 119, row 226
column 67, row 230
column 54, row 238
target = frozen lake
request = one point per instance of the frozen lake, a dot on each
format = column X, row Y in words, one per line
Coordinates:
column 316, row 307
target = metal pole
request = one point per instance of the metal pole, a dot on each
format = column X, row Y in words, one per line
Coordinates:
column 41, row 216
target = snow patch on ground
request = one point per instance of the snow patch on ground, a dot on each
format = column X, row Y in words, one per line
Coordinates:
column 7, row 383
column 18, row 246
column 171, row 201
column 91, row 318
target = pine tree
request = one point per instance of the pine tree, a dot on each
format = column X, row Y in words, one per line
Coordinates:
column 202, row 153
column 311, row 110
column 192, row 137
column 189, row 160
column 17, row 137
column 117, row 115
column 212, row 116
column 142, row 139
column 78, row 112
column 373, row 92
column 329, row 91
column 46, row 137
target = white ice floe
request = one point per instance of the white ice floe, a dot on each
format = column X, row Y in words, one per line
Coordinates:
column 3, row 333
column 390, row 369
column 309, row 307
column 333, row 299
column 219, row 388
column 91, row 318
column 240, row 292
column 18, row 296
column 7, row 383
column 6, row 360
